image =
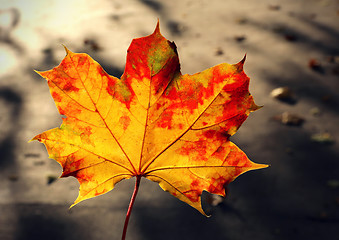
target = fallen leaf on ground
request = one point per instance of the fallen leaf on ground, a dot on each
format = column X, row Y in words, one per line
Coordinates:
column 274, row 7
column 333, row 183
column 324, row 138
column 154, row 122
column 333, row 59
column 315, row 65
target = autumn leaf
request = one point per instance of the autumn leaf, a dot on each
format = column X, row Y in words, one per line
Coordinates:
column 153, row 122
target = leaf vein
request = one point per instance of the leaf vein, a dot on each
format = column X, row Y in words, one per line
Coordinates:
column 121, row 165
column 111, row 178
column 97, row 110
column 188, row 167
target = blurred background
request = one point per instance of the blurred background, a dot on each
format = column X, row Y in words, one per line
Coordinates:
column 292, row 49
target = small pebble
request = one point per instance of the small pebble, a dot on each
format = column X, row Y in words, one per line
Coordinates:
column 289, row 119
column 219, row 51
column 241, row 20
column 315, row 65
column 283, row 94
column 214, row 200
column 315, row 111
column 13, row 177
column 290, row 37
column 240, row 38
column 93, row 44
column 51, row 179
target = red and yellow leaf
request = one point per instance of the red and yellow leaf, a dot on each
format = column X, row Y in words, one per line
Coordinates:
column 154, row 122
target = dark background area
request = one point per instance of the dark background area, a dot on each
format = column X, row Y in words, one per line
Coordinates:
column 291, row 44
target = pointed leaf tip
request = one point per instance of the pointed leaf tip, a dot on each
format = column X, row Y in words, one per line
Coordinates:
column 66, row 49
column 260, row 166
column 157, row 28
column 243, row 60
column 254, row 107
column 240, row 65
column 38, row 72
column 258, row 107
column 36, row 138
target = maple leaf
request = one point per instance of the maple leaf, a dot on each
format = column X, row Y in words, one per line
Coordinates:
column 154, row 122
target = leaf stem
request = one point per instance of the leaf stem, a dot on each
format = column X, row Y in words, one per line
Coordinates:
column 136, row 188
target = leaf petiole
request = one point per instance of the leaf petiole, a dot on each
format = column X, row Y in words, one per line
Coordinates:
column 135, row 192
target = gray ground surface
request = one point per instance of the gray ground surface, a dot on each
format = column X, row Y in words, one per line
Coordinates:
column 288, row 43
